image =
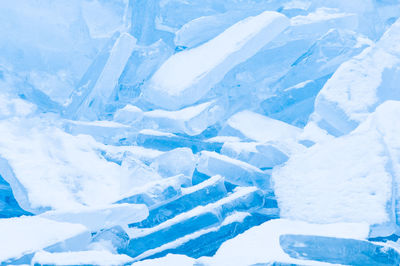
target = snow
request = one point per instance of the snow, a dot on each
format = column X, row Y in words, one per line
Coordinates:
column 186, row 76
column 169, row 260
column 25, row 235
column 90, row 257
column 343, row 179
column 97, row 218
column 359, row 85
column 37, row 155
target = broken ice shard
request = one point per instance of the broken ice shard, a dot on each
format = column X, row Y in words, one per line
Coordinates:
column 235, row 171
column 338, row 250
column 187, row 76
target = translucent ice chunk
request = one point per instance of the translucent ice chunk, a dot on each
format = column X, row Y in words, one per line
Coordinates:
column 235, row 171
column 338, row 250
column 89, row 257
column 25, row 235
column 8, row 205
column 204, row 28
column 263, row 156
column 206, row 192
column 114, row 239
column 187, row 76
column 165, row 141
column 243, row 199
column 141, row 65
column 100, row 217
column 192, row 120
column 157, row 192
column 166, row 164
column 206, row 242
column 108, row 79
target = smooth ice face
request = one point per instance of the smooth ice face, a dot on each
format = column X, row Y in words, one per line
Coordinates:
column 187, row 76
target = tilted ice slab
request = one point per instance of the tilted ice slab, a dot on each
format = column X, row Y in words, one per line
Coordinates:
column 101, row 217
column 187, row 76
column 260, row 244
column 48, row 168
column 89, row 257
column 25, row 235
column 98, row 89
column 260, row 128
column 235, row 171
column 360, row 85
column 353, row 178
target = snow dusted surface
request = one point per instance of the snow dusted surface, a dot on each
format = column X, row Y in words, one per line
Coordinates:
column 215, row 132
column 25, row 235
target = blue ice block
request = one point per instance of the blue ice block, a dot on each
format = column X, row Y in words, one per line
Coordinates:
column 338, row 250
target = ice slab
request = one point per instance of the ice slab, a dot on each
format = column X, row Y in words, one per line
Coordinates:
column 254, row 126
column 48, row 168
column 166, row 166
column 338, row 250
column 100, row 217
column 234, row 171
column 260, row 244
column 207, row 241
column 114, row 239
column 360, row 85
column 89, row 257
column 202, row 194
column 98, row 96
column 187, row 76
column 107, row 132
column 201, row 217
column 358, row 191
column 27, row 234
column 156, row 192
column 261, row 155
column 204, row 28
column 141, row 65
column 8, row 205
column 165, row 141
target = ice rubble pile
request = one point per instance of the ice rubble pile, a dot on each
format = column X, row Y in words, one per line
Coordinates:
column 199, row 132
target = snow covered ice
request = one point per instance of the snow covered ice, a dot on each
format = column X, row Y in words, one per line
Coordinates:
column 213, row 132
